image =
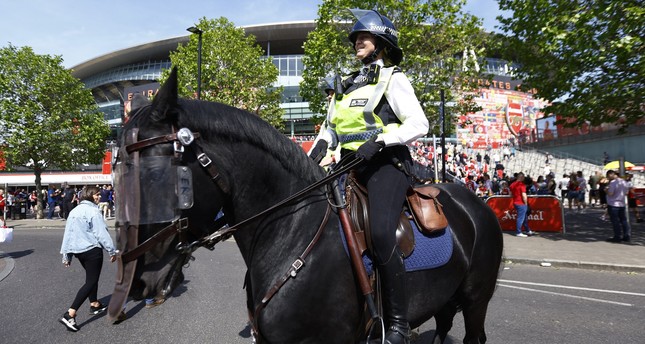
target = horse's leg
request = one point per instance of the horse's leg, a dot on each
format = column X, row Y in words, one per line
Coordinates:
column 474, row 318
column 443, row 319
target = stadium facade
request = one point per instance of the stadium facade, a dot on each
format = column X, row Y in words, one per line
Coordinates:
column 507, row 115
column 114, row 77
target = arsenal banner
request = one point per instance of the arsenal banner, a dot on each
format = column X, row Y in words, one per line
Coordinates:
column 545, row 215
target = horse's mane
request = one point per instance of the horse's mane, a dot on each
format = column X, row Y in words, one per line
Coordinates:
column 216, row 121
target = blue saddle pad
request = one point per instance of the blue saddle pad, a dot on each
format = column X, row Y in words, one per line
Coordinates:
column 429, row 251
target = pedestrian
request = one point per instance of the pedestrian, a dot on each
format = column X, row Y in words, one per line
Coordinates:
column 563, row 186
column 379, row 141
column 66, row 199
column 52, row 201
column 2, row 208
column 86, row 236
column 582, row 191
column 104, row 201
column 572, row 190
column 594, row 193
column 521, row 205
column 550, row 184
column 616, row 192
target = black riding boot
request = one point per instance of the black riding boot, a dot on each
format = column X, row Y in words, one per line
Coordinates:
column 395, row 301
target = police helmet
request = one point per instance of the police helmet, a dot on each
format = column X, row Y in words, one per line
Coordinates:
column 380, row 26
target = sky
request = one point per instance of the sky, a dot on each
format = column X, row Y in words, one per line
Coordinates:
column 82, row 30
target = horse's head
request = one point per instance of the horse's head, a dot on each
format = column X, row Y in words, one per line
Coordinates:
column 156, row 168
column 237, row 162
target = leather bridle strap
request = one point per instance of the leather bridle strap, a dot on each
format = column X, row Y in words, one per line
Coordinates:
column 139, row 145
column 291, row 273
column 176, row 226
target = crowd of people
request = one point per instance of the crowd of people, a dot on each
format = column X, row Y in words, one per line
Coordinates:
column 56, row 202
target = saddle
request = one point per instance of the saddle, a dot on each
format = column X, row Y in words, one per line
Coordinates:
column 422, row 207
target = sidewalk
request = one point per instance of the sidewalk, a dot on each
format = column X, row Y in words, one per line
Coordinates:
column 582, row 246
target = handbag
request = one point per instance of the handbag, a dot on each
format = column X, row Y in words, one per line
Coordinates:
column 426, row 210
column 6, row 234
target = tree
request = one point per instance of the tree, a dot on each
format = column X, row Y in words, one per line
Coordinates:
column 47, row 117
column 586, row 56
column 234, row 71
column 434, row 36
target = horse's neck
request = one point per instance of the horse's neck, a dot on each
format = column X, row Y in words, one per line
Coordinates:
column 283, row 233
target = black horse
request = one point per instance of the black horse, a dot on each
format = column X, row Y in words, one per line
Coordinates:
column 249, row 167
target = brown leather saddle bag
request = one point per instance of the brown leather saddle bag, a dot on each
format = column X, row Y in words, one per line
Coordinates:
column 425, row 208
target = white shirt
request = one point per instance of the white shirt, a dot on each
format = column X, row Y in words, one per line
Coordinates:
column 616, row 192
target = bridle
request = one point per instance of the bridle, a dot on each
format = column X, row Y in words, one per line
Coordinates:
column 186, row 138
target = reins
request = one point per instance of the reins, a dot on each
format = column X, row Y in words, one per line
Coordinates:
column 218, row 234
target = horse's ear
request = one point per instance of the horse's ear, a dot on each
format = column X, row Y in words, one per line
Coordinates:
column 166, row 100
column 138, row 101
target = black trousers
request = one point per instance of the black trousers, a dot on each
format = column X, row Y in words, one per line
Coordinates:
column 386, row 185
column 92, row 262
column 67, row 206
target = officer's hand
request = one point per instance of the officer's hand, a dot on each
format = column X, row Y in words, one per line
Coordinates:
column 319, row 151
column 368, row 149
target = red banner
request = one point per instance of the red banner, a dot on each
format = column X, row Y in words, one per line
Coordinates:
column 545, row 216
column 107, row 163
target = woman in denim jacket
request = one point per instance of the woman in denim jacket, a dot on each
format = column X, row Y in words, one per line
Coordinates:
column 86, row 236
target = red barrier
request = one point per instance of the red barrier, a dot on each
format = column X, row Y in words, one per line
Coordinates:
column 306, row 145
column 546, row 213
column 640, row 196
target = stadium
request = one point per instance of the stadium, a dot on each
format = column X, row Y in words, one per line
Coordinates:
column 507, row 116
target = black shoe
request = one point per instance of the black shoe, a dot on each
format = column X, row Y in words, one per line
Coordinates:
column 626, row 239
column 639, row 220
column 614, row 239
column 69, row 322
column 98, row 310
column 120, row 318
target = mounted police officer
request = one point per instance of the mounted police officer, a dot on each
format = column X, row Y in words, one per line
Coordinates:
column 375, row 114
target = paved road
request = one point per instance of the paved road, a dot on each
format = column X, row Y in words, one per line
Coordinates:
column 531, row 304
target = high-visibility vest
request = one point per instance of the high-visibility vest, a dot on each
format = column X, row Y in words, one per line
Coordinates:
column 353, row 119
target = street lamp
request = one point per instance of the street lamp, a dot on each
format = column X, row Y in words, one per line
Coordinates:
column 193, row 29
column 442, row 114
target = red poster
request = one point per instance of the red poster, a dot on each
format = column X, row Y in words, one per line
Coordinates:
column 107, row 163
column 546, row 213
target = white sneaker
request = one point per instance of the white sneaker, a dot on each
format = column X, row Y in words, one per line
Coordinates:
column 521, row 235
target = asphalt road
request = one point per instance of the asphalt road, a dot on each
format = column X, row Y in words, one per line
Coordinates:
column 532, row 304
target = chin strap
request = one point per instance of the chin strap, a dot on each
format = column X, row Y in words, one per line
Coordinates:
column 372, row 57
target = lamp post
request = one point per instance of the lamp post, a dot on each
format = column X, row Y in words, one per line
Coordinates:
column 199, row 32
column 442, row 114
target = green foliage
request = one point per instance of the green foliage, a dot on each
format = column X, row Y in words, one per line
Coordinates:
column 433, row 36
column 586, row 56
column 234, row 71
column 47, row 117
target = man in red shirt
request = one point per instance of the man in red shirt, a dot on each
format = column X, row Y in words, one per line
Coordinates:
column 520, row 202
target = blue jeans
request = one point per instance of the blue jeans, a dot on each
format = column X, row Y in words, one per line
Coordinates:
column 50, row 212
column 618, row 220
column 522, row 218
